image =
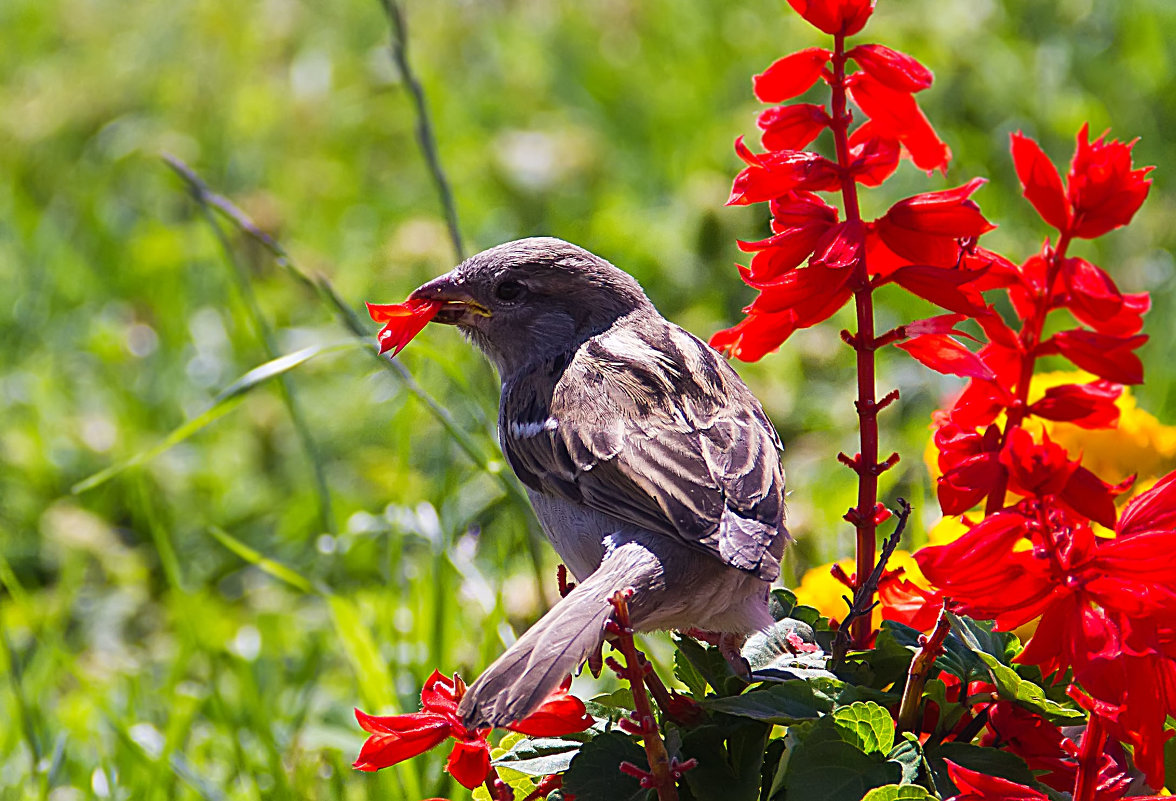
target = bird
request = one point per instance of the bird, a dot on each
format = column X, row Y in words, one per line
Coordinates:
column 648, row 462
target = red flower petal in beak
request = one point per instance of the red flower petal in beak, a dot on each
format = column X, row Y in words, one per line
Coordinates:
column 403, row 321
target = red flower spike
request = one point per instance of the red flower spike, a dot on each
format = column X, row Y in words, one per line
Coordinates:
column 1040, row 182
column 844, row 17
column 403, row 321
column 896, row 70
column 790, row 76
column 791, row 127
column 976, row 786
column 946, row 355
column 898, row 115
column 1106, row 356
column 1087, row 405
column 1104, row 190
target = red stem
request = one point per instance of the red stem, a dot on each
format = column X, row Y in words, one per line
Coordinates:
column 864, row 346
column 1030, row 341
column 1093, row 740
column 661, row 776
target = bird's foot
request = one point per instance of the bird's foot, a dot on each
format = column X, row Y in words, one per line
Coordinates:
column 730, row 646
column 709, row 637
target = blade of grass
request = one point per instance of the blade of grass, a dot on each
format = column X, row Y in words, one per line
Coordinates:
column 266, row 336
column 225, row 401
column 254, row 557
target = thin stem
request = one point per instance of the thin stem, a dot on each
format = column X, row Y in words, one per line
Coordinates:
column 1030, row 341
column 912, row 694
column 660, row 775
column 266, row 336
column 424, row 125
column 863, row 516
column 1093, row 740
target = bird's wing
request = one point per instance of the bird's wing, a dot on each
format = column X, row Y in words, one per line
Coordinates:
column 648, row 424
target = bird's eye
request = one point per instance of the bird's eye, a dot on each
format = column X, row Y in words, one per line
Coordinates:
column 509, row 290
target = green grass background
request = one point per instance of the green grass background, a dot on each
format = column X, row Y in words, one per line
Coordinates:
column 148, row 648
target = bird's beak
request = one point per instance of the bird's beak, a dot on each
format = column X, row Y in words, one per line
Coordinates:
column 460, row 307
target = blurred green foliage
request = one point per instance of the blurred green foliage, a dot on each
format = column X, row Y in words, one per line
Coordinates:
column 149, row 649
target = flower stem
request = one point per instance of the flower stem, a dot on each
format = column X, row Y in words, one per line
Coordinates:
column 1093, row 739
column 912, row 694
column 1030, row 341
column 660, row 775
column 864, row 346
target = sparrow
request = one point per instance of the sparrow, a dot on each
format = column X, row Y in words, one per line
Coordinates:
column 649, row 463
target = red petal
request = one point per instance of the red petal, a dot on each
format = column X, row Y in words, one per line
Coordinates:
column 1036, row 468
column 775, row 173
column 1128, row 320
column 892, row 68
column 791, row 75
column 945, row 355
column 948, row 212
column 1040, row 181
column 382, row 750
column 1154, row 510
column 559, row 715
column 845, row 17
column 1091, row 289
column 791, row 127
column 1092, row 497
column 940, row 324
column 469, row 762
column 801, row 287
column 841, row 246
column 403, row 321
column 897, row 114
column 967, row 483
column 1108, row 357
column 1087, row 405
column 873, row 154
column 943, row 287
column 976, row 786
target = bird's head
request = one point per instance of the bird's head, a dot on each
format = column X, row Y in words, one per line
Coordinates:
column 523, row 301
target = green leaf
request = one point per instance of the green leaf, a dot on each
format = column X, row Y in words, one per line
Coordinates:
column 222, row 404
column 909, row 755
column 540, row 756
column 898, row 792
column 783, row 605
column 595, row 775
column 730, row 754
column 374, row 682
column 824, row 767
column 950, row 712
column 994, row 651
column 686, row 673
column 711, row 665
column 256, row 558
column 1170, row 765
column 866, row 725
column 611, row 706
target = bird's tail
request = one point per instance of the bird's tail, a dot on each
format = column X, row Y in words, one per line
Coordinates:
column 519, row 681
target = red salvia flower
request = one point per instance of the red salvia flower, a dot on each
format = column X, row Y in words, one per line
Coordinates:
column 403, row 321
column 838, row 17
column 1089, row 405
column 1107, row 356
column 395, row 738
column 926, row 228
column 1104, row 191
column 775, row 173
column 873, row 155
